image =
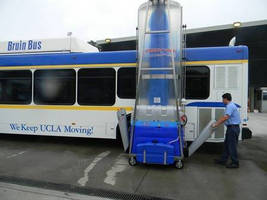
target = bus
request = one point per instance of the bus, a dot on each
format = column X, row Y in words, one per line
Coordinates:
column 78, row 94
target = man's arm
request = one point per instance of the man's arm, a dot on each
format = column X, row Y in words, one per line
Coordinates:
column 220, row 121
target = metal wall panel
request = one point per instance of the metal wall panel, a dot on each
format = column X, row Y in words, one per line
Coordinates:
column 219, row 133
column 204, row 118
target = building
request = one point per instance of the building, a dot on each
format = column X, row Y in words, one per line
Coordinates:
column 252, row 34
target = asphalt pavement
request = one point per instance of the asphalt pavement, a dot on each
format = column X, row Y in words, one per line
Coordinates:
column 95, row 168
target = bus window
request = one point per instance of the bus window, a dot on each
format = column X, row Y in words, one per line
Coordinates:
column 197, row 82
column 126, row 83
column 54, row 87
column 96, row 86
column 15, row 87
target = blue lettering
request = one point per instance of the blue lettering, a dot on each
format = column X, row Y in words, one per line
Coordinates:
column 23, row 45
column 23, row 127
column 16, row 46
column 9, row 46
column 39, row 45
column 33, row 129
column 34, row 46
column 42, row 128
column 15, row 127
column 50, row 128
column 30, row 45
column 70, row 129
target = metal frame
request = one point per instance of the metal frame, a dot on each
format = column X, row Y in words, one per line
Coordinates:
column 174, row 70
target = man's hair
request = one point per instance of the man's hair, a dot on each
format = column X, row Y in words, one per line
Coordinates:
column 227, row 96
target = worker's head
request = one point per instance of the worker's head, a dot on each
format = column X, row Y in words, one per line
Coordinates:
column 226, row 98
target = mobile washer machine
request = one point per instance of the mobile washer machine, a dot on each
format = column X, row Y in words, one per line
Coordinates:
column 156, row 134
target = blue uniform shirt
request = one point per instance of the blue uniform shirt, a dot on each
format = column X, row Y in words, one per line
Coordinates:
column 232, row 111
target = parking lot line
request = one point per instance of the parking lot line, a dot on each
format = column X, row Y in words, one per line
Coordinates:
column 16, row 154
column 119, row 166
column 82, row 181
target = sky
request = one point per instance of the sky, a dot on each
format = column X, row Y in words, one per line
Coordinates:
column 100, row 19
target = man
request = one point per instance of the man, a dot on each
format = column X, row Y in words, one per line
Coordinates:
column 231, row 119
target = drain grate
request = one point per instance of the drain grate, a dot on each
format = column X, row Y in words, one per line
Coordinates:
column 77, row 189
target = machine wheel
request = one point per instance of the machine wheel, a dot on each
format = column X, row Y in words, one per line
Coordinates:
column 179, row 164
column 132, row 161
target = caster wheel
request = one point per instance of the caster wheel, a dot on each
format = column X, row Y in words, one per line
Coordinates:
column 132, row 161
column 179, row 164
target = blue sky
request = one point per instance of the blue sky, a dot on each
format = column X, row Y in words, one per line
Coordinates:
column 99, row 19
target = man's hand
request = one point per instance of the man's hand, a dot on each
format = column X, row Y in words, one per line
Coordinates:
column 214, row 125
column 220, row 121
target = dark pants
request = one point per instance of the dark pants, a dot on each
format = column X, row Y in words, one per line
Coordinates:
column 230, row 144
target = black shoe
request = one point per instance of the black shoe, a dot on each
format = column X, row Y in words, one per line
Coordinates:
column 219, row 162
column 232, row 165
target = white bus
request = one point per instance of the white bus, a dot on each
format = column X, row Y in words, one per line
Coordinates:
column 77, row 94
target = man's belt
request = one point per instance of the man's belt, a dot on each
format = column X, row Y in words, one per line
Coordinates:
column 232, row 125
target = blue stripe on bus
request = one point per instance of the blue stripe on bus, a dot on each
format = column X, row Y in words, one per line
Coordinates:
column 191, row 54
column 68, row 58
column 217, row 53
column 208, row 104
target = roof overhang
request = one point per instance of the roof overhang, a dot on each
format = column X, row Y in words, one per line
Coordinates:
column 124, row 40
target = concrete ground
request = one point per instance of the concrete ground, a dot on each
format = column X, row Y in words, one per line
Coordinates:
column 17, row 192
column 99, row 167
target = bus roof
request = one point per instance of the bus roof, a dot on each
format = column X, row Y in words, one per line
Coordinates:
column 191, row 54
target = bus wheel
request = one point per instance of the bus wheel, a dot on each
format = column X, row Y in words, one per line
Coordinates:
column 179, row 164
column 132, row 161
